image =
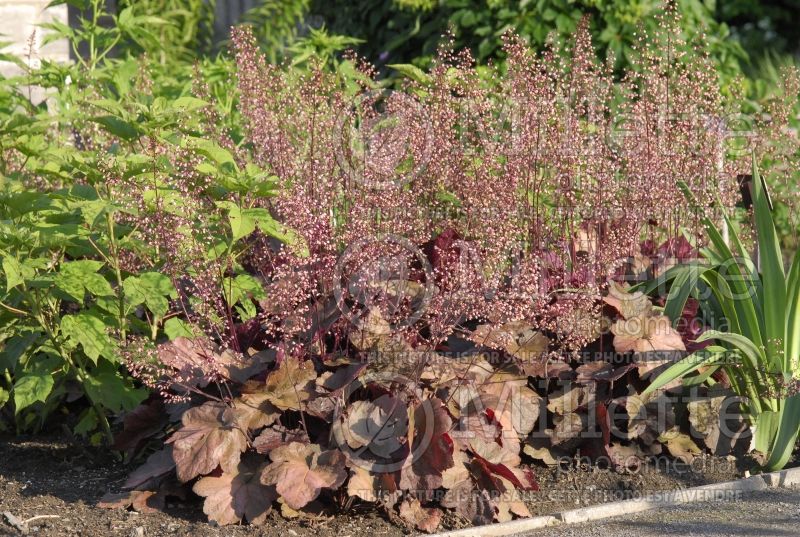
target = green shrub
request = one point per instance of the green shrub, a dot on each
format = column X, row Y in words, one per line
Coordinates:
column 759, row 308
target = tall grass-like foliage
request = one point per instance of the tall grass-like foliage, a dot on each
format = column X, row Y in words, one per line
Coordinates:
column 759, row 348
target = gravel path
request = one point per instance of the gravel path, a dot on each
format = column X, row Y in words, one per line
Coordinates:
column 768, row 513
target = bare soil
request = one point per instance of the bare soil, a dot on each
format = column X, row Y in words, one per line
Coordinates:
column 63, row 480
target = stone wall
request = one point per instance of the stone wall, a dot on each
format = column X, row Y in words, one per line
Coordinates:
column 18, row 20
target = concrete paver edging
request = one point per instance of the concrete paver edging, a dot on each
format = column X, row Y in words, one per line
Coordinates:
column 716, row 491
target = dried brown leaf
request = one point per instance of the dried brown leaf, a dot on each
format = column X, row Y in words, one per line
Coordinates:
column 509, row 505
column 679, row 445
column 141, row 501
column 628, row 304
column 541, row 448
column 373, row 487
column 570, row 398
column 516, row 338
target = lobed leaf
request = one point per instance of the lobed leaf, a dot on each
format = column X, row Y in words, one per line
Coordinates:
column 210, row 437
column 300, row 472
column 237, row 495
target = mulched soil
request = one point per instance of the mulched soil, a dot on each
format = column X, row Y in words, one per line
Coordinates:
column 48, row 476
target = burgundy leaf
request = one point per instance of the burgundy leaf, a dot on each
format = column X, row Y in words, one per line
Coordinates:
column 210, row 437
column 422, row 518
column 431, row 447
column 300, row 471
column 276, row 436
column 237, row 495
column 141, row 423
column 156, row 467
column 474, row 506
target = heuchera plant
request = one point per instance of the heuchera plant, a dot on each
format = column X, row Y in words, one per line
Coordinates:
column 409, row 297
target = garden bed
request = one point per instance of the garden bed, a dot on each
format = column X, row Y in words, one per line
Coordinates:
column 330, row 298
column 56, row 476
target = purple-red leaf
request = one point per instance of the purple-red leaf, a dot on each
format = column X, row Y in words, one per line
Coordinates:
column 299, row 472
column 156, row 467
column 210, row 437
column 422, row 518
column 141, row 423
column 239, row 495
column 431, row 447
column 276, row 436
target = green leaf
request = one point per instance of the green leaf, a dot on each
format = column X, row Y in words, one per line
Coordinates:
column 150, row 289
column 189, row 104
column 125, row 17
column 793, row 317
column 774, row 278
column 753, row 353
column 98, row 286
column 80, row 4
column 124, row 75
column 411, row 71
column 15, row 347
column 32, row 388
column 214, row 151
column 682, row 368
column 87, row 423
column 273, row 228
column 13, row 271
column 243, row 289
column 742, row 282
column 206, row 168
column 766, row 427
column 175, row 328
column 683, row 284
column 89, row 331
column 107, row 387
column 4, row 395
column 91, row 210
column 76, row 277
column 243, row 286
column 788, row 427
column 241, row 223
column 118, row 127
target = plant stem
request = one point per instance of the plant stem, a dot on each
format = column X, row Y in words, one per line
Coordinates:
column 79, row 368
column 12, row 309
column 118, row 273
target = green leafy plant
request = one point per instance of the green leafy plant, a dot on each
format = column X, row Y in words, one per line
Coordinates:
column 277, row 24
column 59, row 308
column 112, row 127
column 183, row 29
column 755, row 321
column 409, row 31
column 99, row 31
